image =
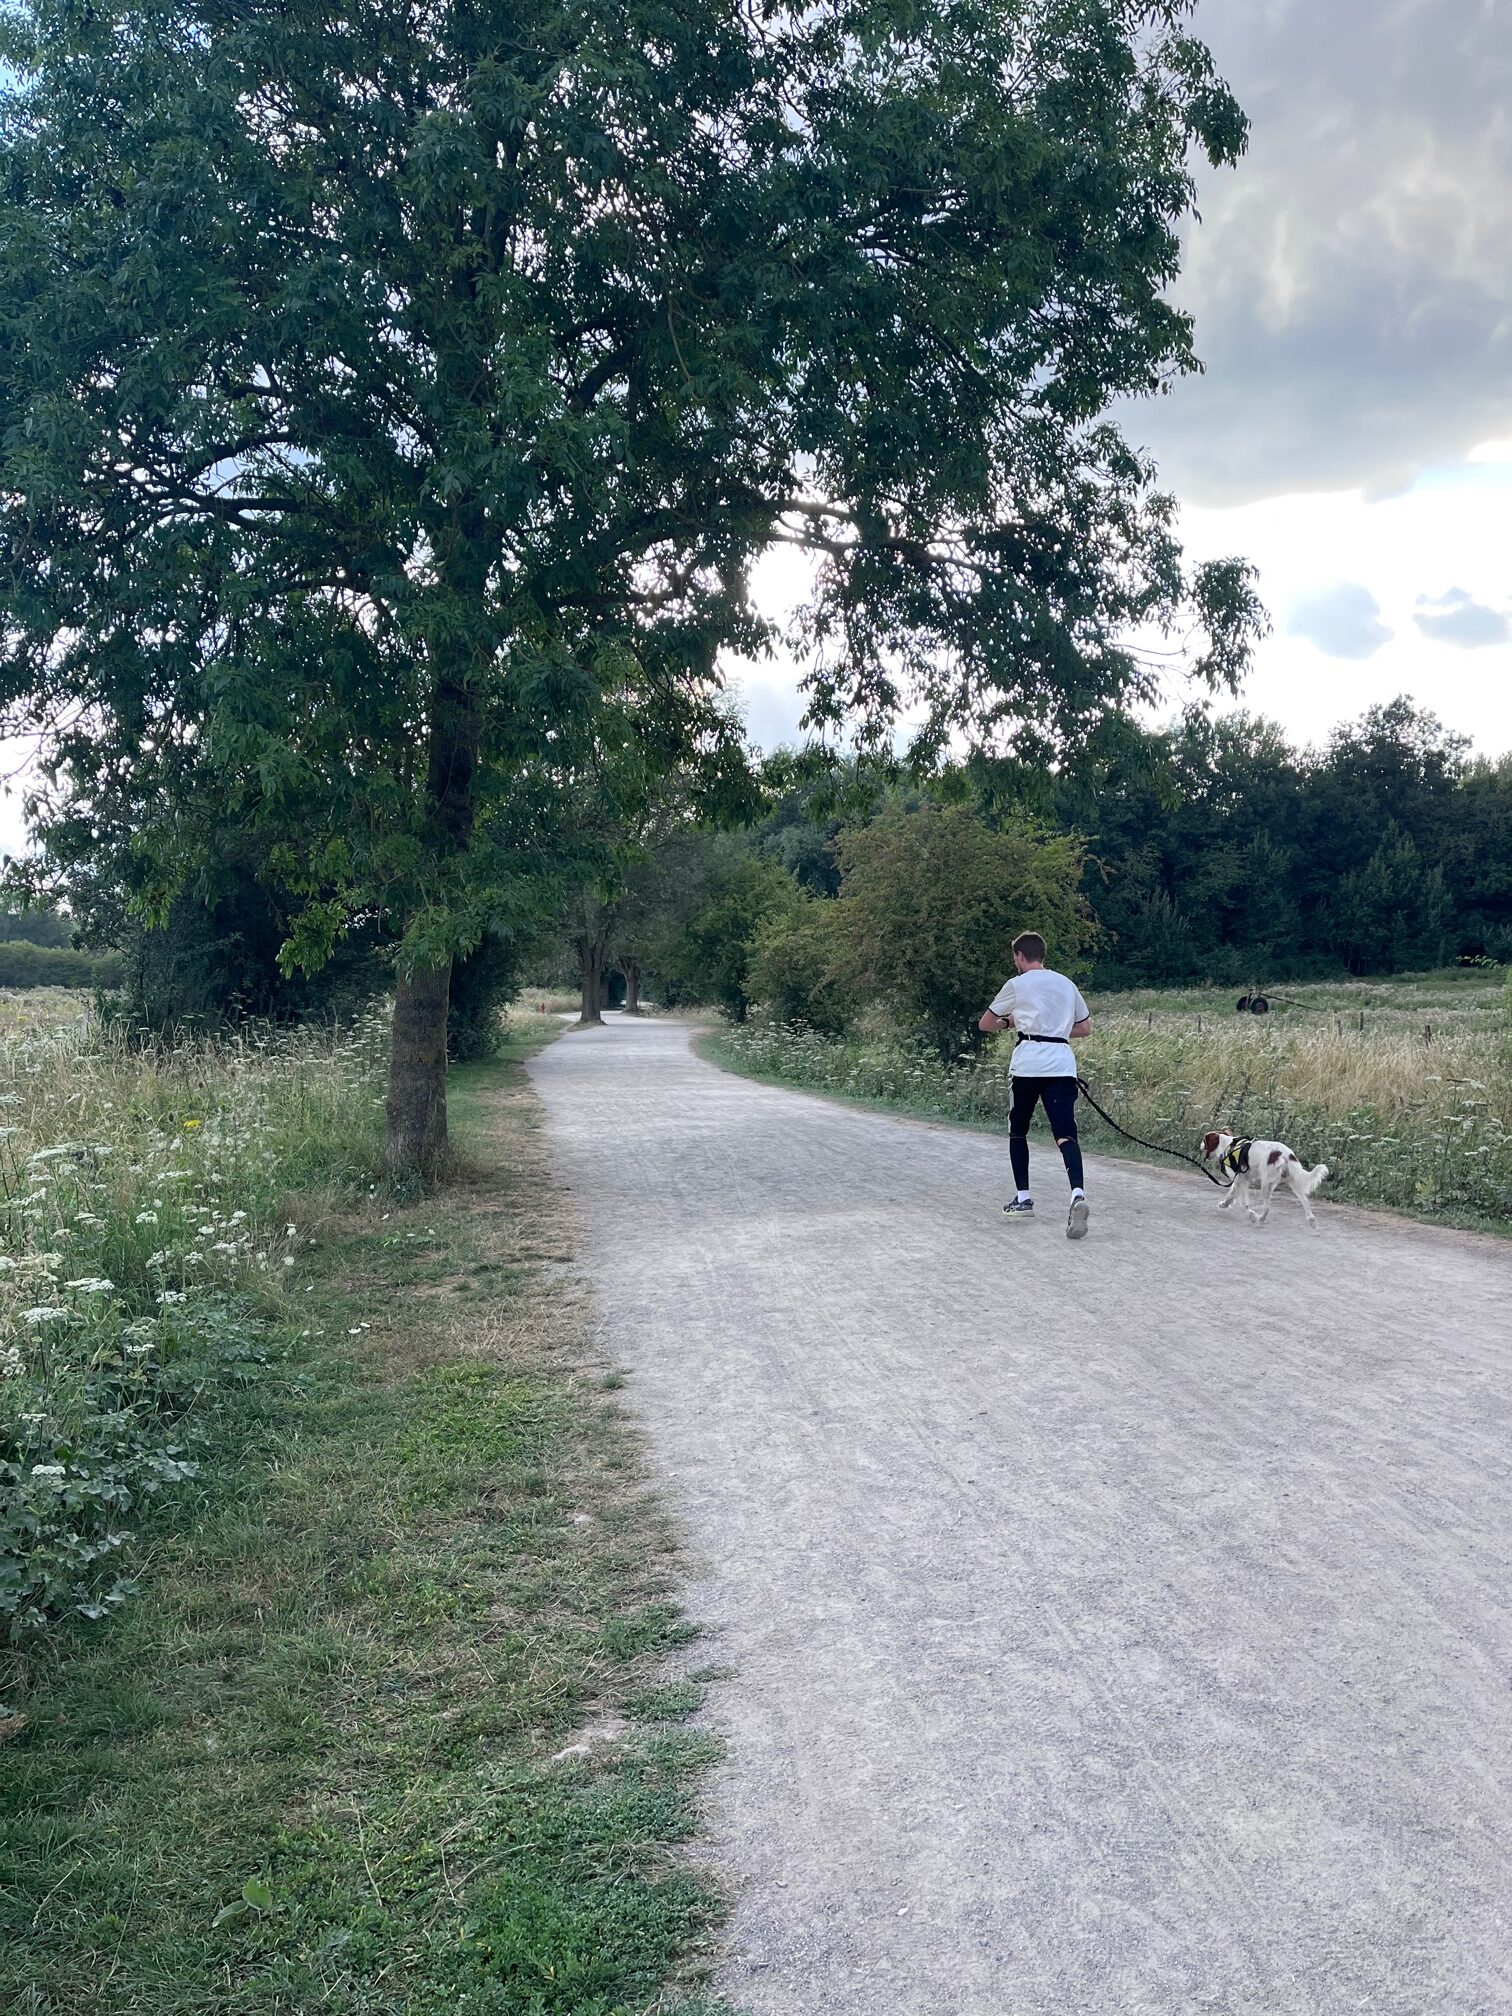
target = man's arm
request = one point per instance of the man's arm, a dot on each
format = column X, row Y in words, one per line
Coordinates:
column 999, row 1015
column 1082, row 1028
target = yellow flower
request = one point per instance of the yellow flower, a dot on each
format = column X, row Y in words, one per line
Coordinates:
column 192, row 1123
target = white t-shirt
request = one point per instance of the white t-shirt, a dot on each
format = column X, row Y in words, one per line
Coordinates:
column 1041, row 1003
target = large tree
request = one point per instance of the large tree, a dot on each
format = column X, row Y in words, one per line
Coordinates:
column 379, row 388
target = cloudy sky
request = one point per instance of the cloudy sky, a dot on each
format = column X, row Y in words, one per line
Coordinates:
column 1352, row 436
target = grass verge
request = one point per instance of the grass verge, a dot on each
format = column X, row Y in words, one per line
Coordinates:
column 393, row 1725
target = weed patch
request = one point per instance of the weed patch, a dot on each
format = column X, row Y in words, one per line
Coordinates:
column 325, row 1759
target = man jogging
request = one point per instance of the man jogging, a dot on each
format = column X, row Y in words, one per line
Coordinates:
column 1045, row 1010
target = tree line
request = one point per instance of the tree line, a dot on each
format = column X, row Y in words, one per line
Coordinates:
column 1212, row 850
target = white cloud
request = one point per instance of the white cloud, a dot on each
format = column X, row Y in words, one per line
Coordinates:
column 1449, row 526
column 1343, row 620
column 1457, row 618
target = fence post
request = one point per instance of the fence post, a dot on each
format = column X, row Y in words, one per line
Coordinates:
column 1427, row 1032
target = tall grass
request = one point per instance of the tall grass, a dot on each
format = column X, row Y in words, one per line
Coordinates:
column 1403, row 1088
column 143, row 1239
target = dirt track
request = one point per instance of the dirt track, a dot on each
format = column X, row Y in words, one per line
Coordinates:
column 1118, row 1627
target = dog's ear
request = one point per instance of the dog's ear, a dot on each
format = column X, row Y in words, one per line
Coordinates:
column 1210, row 1144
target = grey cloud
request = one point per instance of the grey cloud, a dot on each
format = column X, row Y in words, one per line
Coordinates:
column 1456, row 618
column 1349, row 280
column 1343, row 620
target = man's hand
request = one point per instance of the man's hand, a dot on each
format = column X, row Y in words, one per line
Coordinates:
column 990, row 1023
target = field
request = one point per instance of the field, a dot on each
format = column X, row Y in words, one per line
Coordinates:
column 1403, row 1086
column 339, row 1661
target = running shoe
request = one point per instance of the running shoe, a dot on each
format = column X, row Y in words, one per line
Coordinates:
column 1076, row 1224
column 1019, row 1207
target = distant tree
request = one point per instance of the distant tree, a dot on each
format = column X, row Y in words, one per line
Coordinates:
column 930, row 902
column 37, row 927
column 642, row 776
column 1478, row 860
column 1392, row 914
column 379, row 389
column 713, row 957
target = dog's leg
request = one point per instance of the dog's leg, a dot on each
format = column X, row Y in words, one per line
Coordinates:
column 1300, row 1195
column 1228, row 1196
column 1263, row 1190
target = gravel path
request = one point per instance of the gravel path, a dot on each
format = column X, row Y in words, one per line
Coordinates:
column 1117, row 1627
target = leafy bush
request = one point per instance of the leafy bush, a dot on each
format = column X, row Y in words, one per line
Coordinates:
column 792, row 967
column 713, row 957
column 930, row 902
column 481, row 986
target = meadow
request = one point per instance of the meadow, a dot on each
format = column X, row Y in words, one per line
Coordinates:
column 1403, row 1086
column 340, row 1662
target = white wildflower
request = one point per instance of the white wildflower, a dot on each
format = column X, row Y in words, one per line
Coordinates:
column 43, row 1313
column 167, row 1295
column 145, row 1218
column 92, row 1284
column 47, row 1470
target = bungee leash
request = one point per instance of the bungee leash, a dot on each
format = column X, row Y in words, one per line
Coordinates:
column 1139, row 1141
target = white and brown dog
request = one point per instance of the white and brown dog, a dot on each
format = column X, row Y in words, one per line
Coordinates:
column 1257, row 1167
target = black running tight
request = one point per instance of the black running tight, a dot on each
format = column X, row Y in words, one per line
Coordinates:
column 1059, row 1097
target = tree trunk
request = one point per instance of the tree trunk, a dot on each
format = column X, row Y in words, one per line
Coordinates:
column 417, row 1071
column 417, row 1063
column 591, row 961
column 631, row 970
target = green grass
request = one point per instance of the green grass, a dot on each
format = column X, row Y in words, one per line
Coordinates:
column 312, row 1765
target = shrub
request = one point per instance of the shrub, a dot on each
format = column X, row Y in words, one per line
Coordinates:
column 930, row 902
column 24, row 964
column 792, row 967
column 482, row 985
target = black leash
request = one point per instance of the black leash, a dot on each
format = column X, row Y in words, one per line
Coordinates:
column 1139, row 1142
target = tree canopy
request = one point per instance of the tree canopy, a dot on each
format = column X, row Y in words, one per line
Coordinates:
column 379, row 391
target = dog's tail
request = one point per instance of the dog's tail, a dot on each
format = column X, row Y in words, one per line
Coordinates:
column 1307, row 1180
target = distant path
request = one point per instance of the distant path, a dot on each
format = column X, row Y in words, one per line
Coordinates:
column 1118, row 1628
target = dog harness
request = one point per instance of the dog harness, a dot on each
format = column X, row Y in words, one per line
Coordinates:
column 1236, row 1161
